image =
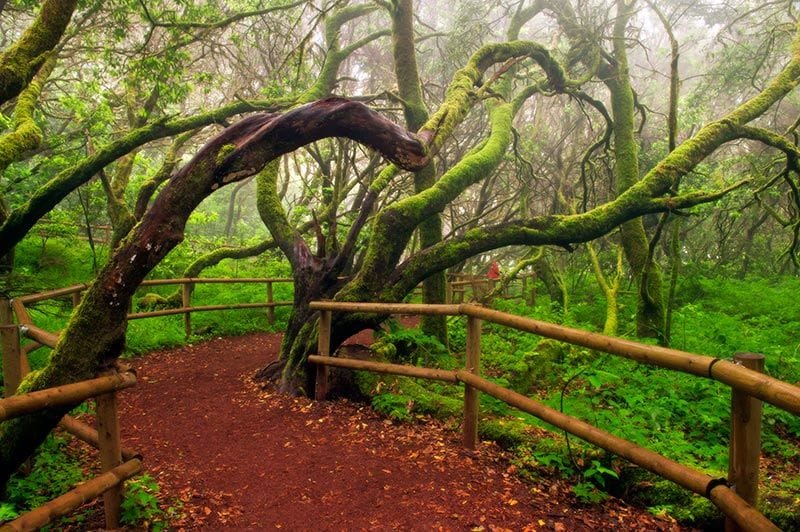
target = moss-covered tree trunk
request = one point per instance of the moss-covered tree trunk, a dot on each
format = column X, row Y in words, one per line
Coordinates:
column 95, row 334
column 555, row 289
column 650, row 306
column 416, row 114
column 380, row 276
column 23, row 59
column 610, row 289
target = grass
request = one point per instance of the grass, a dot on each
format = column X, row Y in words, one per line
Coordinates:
column 681, row 416
column 54, row 264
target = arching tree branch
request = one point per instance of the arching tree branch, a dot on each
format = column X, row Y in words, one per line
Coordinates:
column 95, row 334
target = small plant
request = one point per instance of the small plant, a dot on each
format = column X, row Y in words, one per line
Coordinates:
column 8, row 512
column 598, row 474
column 140, row 507
column 54, row 473
column 588, row 493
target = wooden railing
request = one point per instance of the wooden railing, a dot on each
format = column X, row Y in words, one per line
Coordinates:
column 187, row 288
column 736, row 496
column 456, row 290
column 106, row 436
column 480, row 286
column 117, row 464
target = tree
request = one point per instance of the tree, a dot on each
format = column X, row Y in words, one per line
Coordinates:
column 496, row 86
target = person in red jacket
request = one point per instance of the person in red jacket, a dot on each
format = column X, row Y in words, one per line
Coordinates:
column 494, row 271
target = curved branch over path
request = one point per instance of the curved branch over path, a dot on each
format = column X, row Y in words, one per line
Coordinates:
column 95, row 334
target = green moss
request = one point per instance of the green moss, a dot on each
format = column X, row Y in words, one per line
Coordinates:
column 270, row 208
column 223, row 153
column 20, row 61
column 663, row 497
column 27, row 135
column 507, row 433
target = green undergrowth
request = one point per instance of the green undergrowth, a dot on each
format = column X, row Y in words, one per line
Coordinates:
column 683, row 417
column 56, row 470
column 49, row 263
column 54, row 473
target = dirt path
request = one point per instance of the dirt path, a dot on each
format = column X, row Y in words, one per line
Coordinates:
column 241, row 458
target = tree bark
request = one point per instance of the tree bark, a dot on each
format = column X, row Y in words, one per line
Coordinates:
column 416, row 114
column 20, row 62
column 95, row 334
column 650, row 306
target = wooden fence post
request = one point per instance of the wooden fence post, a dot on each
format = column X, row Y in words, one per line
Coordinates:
column 186, row 303
column 323, row 350
column 6, row 313
column 270, row 309
column 745, row 444
column 471, row 394
column 110, row 453
column 12, row 358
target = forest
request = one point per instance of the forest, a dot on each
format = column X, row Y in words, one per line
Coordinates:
column 628, row 167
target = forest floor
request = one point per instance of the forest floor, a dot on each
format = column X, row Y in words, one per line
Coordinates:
column 236, row 456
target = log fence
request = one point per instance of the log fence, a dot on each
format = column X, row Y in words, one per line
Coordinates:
column 456, row 289
column 117, row 464
column 479, row 286
column 187, row 285
column 735, row 496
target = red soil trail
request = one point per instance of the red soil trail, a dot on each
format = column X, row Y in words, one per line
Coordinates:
column 241, row 458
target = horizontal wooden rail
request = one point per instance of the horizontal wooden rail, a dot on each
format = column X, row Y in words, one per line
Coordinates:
column 68, row 394
column 769, row 389
column 69, row 290
column 392, row 369
column 215, row 280
column 85, row 492
column 187, row 310
column 469, row 282
column 720, row 494
column 52, row 294
column 87, row 434
column 30, row 347
column 387, row 308
column 41, row 336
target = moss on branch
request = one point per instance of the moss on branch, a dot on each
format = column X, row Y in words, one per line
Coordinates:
column 271, row 210
column 26, row 134
column 20, row 62
column 394, row 224
column 46, row 197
